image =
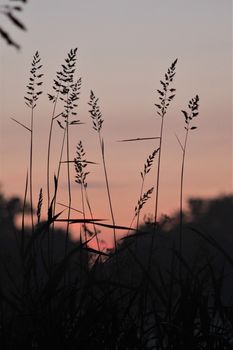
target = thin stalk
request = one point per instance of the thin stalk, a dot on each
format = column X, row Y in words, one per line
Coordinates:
column 65, row 137
column 84, row 217
column 131, row 224
column 181, row 191
column 92, row 217
column 31, row 196
column 83, row 210
column 141, row 193
column 30, row 101
column 50, row 246
column 193, row 107
column 68, row 180
column 165, row 99
column 31, row 169
column 48, row 160
column 110, row 206
column 60, row 162
column 157, row 193
column 141, row 202
column 55, row 195
column 23, row 219
column 49, row 148
column 166, row 95
column 147, row 167
column 108, row 189
column 158, row 172
column 156, row 203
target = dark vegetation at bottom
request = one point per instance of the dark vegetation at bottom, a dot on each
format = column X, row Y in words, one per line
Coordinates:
column 84, row 300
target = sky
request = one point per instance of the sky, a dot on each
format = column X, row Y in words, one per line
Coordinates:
column 124, row 50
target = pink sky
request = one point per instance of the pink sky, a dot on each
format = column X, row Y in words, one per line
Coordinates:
column 125, row 47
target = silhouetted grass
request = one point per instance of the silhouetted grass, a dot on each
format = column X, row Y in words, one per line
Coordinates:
column 193, row 113
column 75, row 296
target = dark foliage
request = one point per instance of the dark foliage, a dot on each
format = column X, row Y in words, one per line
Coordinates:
column 10, row 11
column 92, row 308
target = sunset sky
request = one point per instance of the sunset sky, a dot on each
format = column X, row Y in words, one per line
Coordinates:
column 124, row 49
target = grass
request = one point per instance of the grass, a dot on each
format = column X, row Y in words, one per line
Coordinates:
column 166, row 95
column 62, row 294
column 193, row 107
column 98, row 120
column 31, row 101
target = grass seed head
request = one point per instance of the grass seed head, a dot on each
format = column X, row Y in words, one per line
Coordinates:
column 142, row 201
column 95, row 112
column 193, row 106
column 166, row 94
column 80, row 164
column 33, row 87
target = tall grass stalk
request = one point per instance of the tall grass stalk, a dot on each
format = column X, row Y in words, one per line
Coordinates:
column 30, row 100
column 64, row 85
column 31, row 170
column 73, row 91
column 80, row 164
column 68, row 178
column 166, row 95
column 53, row 117
column 92, row 217
column 147, row 167
column 144, row 197
column 97, row 119
column 64, row 77
column 23, row 218
column 193, row 113
column 161, row 111
column 54, row 99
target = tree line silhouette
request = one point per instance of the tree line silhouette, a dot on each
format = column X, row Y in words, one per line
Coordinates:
column 93, row 308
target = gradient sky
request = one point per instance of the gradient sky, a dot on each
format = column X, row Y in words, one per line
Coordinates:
column 124, row 49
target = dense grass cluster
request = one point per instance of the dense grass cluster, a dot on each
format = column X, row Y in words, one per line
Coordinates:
column 166, row 285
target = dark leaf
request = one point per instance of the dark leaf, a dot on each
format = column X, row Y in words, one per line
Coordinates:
column 39, row 206
column 185, row 114
column 51, row 97
column 17, row 8
column 117, row 227
column 21, row 124
column 59, row 123
column 84, row 221
column 28, row 99
column 160, row 92
column 171, row 97
column 91, row 250
column 8, row 39
column 76, row 122
column 140, row 139
column 15, row 21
